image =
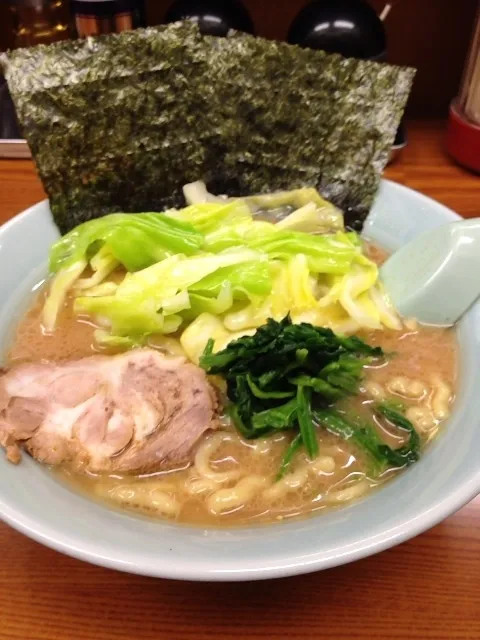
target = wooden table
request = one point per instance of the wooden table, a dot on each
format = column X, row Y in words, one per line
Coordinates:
column 428, row 588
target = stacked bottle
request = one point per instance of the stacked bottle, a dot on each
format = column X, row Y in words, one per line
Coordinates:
column 95, row 17
column 463, row 138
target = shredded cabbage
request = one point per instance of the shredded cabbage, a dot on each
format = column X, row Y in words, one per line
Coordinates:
column 207, row 326
column 209, row 216
column 212, row 269
column 153, row 299
column 136, row 241
column 59, row 288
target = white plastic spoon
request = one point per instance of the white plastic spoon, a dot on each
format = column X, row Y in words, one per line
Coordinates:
column 435, row 278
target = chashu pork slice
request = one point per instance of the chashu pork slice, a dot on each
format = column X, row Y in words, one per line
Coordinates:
column 135, row 412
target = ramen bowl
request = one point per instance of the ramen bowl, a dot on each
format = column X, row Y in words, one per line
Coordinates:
column 446, row 477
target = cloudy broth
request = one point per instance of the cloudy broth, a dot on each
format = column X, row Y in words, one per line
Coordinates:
column 231, row 480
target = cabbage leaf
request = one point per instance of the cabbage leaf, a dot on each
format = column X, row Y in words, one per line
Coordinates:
column 135, row 240
column 215, row 257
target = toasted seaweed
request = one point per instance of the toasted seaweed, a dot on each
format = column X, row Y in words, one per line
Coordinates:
column 303, row 117
column 121, row 122
column 113, row 122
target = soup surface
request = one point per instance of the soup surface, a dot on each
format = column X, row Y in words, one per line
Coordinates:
column 232, row 481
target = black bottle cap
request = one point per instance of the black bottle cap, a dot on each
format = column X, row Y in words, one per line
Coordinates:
column 349, row 27
column 214, row 17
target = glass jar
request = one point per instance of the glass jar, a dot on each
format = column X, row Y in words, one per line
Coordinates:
column 96, row 17
column 40, row 21
column 34, row 22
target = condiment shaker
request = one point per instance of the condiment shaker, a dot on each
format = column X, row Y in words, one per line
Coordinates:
column 351, row 28
column 463, row 136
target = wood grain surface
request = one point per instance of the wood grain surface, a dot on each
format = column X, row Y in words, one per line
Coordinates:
column 425, row 589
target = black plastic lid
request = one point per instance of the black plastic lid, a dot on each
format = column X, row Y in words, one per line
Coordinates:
column 104, row 8
column 349, row 27
column 214, row 17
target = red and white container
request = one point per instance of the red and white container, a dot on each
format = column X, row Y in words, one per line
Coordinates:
column 463, row 137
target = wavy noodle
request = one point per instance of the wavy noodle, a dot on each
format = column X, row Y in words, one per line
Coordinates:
column 352, row 492
column 408, row 387
column 237, row 496
column 205, row 452
column 323, row 465
column 142, row 496
column 441, row 398
column 422, row 418
column 296, row 480
column 333, row 450
column 291, row 482
column 195, row 486
column 265, row 446
column 373, row 389
column 436, row 407
column 230, row 474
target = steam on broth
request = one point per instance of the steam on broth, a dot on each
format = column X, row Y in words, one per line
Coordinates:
column 232, row 480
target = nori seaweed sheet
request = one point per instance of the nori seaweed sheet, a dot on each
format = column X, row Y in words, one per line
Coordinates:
column 121, row 122
column 114, row 123
column 322, row 120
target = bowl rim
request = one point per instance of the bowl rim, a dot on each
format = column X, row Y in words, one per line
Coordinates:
column 259, row 570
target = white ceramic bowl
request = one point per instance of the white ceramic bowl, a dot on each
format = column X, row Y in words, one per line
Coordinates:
column 446, row 477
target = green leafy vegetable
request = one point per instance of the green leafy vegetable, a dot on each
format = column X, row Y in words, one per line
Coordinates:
column 319, row 385
column 135, row 242
column 325, row 254
column 315, row 369
column 310, row 365
column 274, row 344
column 266, row 395
column 248, row 281
column 312, row 219
column 58, row 293
column 208, row 216
column 363, row 435
column 277, row 418
column 321, row 279
column 199, row 303
column 297, row 198
column 304, row 415
column 293, row 447
column 366, row 437
column 150, row 300
column 409, row 453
